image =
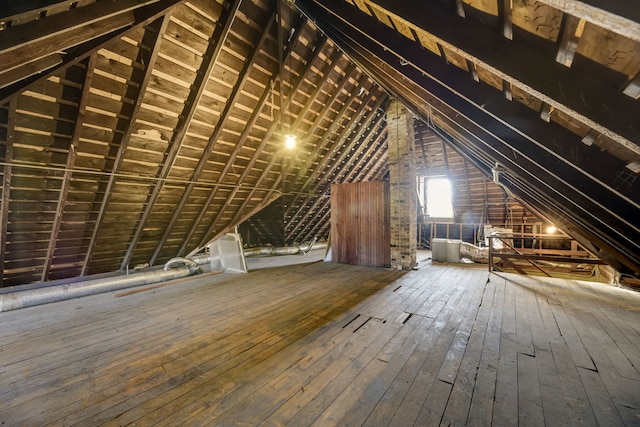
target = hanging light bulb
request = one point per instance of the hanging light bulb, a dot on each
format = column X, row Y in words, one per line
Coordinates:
column 290, row 141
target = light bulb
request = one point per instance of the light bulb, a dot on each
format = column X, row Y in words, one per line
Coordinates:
column 290, row 141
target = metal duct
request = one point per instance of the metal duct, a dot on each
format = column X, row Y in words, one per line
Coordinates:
column 33, row 297
column 191, row 264
column 283, row 250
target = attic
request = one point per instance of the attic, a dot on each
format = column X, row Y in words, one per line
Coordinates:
column 133, row 132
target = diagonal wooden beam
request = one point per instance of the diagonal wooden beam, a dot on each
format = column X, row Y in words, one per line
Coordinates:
column 375, row 129
column 121, row 139
column 49, row 33
column 275, row 124
column 142, row 16
column 6, row 184
column 222, row 121
column 216, row 43
column 356, row 123
column 620, row 16
column 533, row 155
column 581, row 96
column 71, row 160
column 26, row 43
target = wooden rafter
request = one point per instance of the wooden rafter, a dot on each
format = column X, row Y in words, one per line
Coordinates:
column 121, row 139
column 28, row 42
column 579, row 95
column 356, row 123
column 186, row 116
column 222, row 121
column 142, row 16
column 71, row 160
column 275, row 124
column 6, row 184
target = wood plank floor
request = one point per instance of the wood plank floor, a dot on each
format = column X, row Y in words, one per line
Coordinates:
column 327, row 344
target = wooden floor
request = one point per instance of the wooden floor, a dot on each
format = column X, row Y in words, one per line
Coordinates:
column 327, row 344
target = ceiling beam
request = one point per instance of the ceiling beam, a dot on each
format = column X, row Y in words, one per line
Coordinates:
column 620, row 16
column 209, row 59
column 28, row 43
column 71, row 160
column 580, row 96
column 142, row 16
column 213, row 139
column 533, row 152
column 121, row 139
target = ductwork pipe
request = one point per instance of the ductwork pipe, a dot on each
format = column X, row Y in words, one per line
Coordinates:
column 33, row 297
column 283, row 250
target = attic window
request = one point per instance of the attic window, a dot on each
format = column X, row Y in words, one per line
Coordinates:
column 439, row 201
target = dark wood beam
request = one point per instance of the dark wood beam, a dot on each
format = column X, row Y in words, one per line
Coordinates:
column 28, row 42
column 533, row 153
column 7, row 174
column 142, row 16
column 121, row 139
column 71, row 160
column 583, row 97
column 222, row 121
column 216, row 43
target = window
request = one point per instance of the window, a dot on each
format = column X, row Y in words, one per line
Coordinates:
column 439, row 198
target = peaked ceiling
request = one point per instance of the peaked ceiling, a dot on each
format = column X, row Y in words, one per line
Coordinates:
column 135, row 131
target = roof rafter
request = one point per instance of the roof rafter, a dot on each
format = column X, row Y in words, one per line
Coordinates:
column 224, row 115
column 209, row 59
column 121, row 139
column 54, row 57
column 482, row 116
column 582, row 97
column 263, row 143
column 71, row 160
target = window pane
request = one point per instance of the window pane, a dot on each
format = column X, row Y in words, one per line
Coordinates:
column 439, row 198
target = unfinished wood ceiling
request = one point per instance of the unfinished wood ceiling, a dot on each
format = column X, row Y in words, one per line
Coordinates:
column 135, row 131
column 541, row 95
